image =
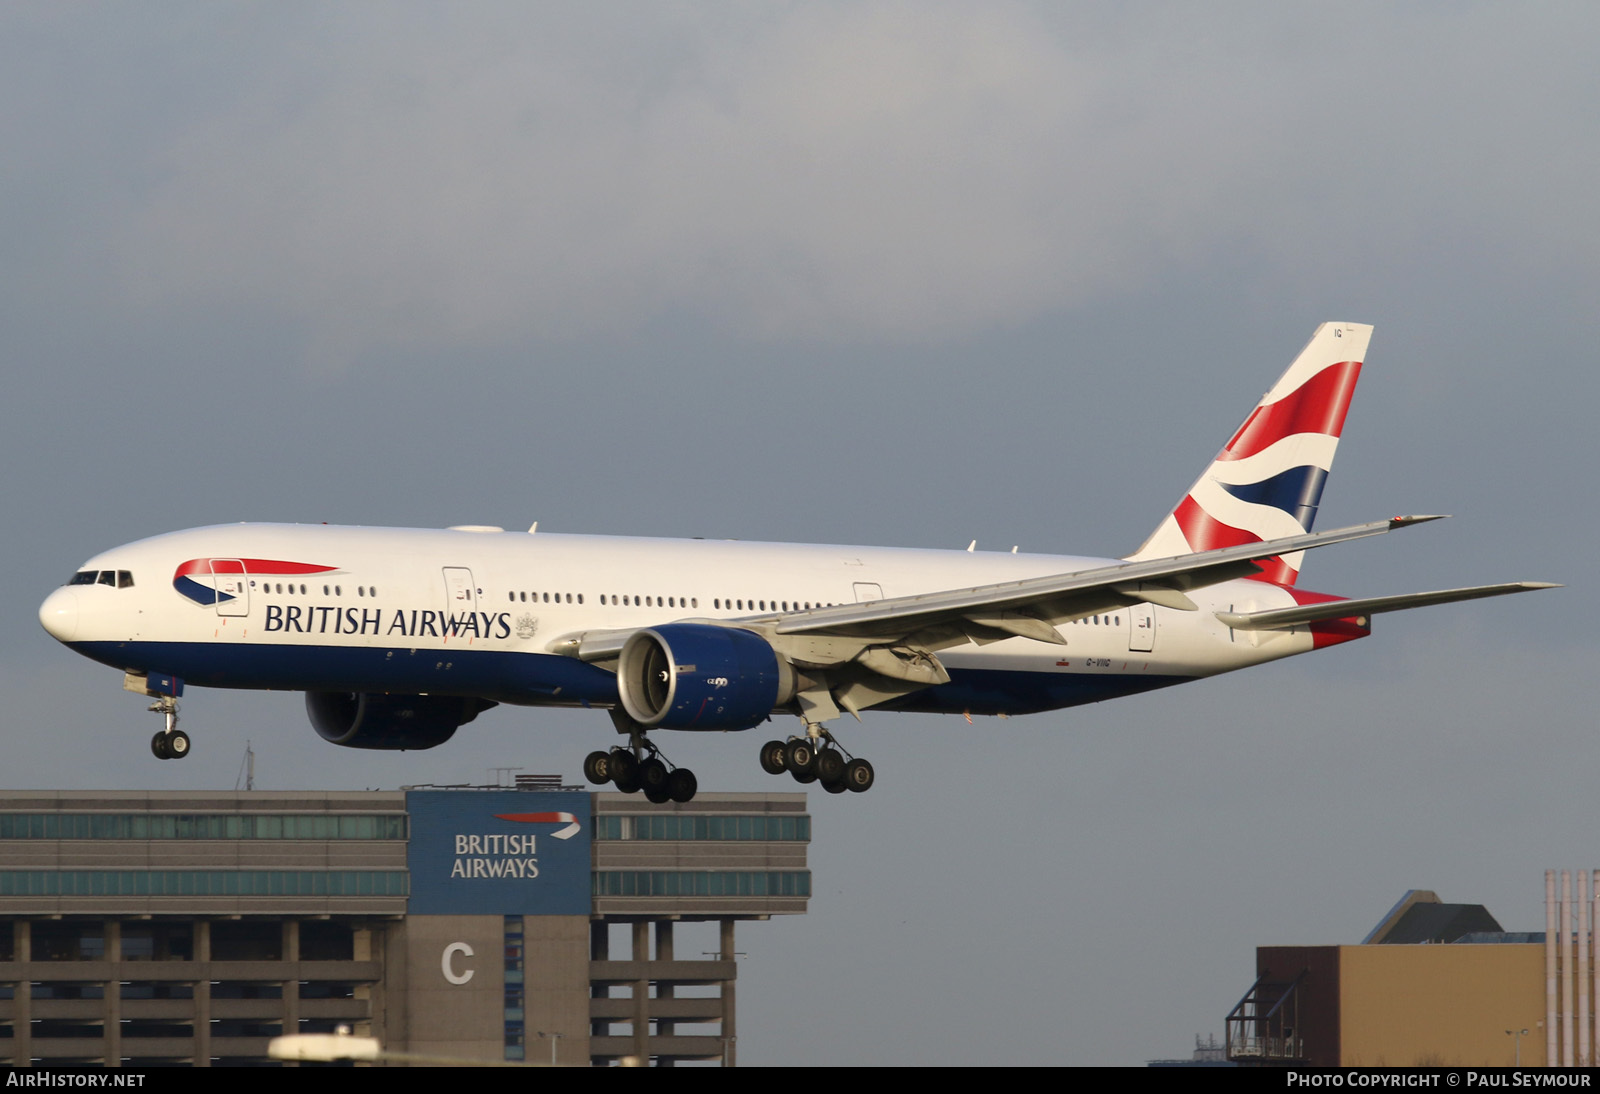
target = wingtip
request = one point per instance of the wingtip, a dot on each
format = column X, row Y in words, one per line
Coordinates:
column 1403, row 522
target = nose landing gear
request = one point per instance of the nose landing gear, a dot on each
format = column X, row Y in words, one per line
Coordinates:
column 171, row 743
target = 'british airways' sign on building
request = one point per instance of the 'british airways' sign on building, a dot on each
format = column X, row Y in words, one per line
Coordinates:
column 498, row 852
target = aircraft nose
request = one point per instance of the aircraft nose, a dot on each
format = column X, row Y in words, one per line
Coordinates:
column 59, row 614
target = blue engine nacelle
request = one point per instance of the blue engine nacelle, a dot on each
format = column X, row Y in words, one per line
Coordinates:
column 696, row 676
column 390, row 722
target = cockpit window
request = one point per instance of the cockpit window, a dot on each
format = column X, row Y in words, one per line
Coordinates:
column 117, row 579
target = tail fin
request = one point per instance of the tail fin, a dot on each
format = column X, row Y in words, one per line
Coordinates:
column 1267, row 480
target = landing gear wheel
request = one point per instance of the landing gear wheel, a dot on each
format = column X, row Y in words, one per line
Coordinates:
column 805, row 776
column 773, row 760
column 597, row 767
column 624, row 769
column 681, row 785
column 653, row 776
column 835, row 788
column 858, row 775
column 658, row 795
column 800, row 756
column 830, row 766
column 170, row 746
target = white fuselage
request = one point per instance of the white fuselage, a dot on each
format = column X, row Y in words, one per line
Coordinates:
column 451, row 612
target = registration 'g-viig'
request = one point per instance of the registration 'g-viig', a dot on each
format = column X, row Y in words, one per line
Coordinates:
column 399, row 637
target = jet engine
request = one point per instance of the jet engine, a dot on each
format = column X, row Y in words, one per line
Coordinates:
column 696, row 676
column 365, row 720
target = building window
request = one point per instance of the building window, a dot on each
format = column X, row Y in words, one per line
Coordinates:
column 761, row 827
column 775, row 883
column 326, row 940
column 157, row 941
column 246, row 940
column 516, row 1032
column 69, row 940
column 208, row 826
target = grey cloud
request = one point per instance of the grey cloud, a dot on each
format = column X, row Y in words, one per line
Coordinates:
column 825, row 172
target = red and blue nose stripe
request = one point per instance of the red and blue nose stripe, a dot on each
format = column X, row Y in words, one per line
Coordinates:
column 184, row 578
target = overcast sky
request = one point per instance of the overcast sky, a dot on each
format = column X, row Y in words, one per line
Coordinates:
column 890, row 274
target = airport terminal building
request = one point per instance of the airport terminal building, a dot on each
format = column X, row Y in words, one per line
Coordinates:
column 535, row 924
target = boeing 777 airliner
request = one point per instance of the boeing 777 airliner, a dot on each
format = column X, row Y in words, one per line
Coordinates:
column 399, row 637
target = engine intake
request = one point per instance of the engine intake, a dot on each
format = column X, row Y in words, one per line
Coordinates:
column 390, row 722
column 696, row 676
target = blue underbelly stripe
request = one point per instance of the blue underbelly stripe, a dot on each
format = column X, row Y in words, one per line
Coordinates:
column 538, row 678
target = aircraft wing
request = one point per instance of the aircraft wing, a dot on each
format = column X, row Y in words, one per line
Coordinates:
column 1284, row 618
column 1032, row 607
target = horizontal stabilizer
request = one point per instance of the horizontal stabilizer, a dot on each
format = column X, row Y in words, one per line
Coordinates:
column 1282, row 618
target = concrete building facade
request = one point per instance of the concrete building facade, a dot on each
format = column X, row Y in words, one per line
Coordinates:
column 190, row 928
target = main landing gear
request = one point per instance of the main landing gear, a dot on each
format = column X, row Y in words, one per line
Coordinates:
column 638, row 766
column 817, row 759
column 171, row 743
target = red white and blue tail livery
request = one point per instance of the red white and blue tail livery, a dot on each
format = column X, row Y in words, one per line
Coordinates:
column 1267, row 481
column 399, row 637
